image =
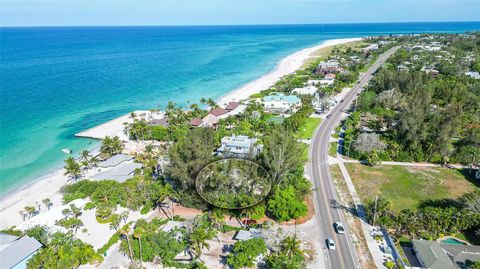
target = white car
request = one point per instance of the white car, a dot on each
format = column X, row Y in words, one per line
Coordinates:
column 339, row 227
column 330, row 244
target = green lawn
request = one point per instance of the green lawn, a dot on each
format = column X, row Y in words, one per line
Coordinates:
column 308, row 128
column 332, row 149
column 406, row 187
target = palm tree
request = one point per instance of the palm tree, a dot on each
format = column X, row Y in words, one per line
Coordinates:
column 94, row 161
column 133, row 116
column 85, row 158
column 47, row 203
column 72, row 168
column 125, row 231
column 137, row 233
column 198, row 240
column 30, row 210
column 291, row 246
column 111, row 146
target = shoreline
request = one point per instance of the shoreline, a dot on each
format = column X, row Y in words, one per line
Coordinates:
column 286, row 66
column 49, row 185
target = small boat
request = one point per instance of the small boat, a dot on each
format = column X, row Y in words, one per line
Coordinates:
column 67, row 151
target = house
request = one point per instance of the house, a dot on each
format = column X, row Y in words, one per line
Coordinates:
column 196, row 122
column 472, row 74
column 435, row 255
column 328, row 80
column 210, row 121
column 281, row 103
column 15, row 252
column 429, row 70
column 231, row 106
column 402, row 68
column 115, row 160
column 239, row 146
column 370, row 48
column 217, row 112
column 313, row 82
column 307, row 90
column 159, row 122
column 119, row 173
column 243, row 235
column 330, row 67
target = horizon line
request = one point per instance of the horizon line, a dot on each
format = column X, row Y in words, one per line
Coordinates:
column 229, row 25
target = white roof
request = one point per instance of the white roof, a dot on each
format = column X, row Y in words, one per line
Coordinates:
column 17, row 251
column 310, row 90
column 119, row 173
column 246, row 235
column 115, row 160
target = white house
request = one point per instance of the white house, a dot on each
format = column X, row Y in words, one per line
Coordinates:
column 239, row 146
column 328, row 80
column 307, row 90
column 281, row 103
column 370, row 48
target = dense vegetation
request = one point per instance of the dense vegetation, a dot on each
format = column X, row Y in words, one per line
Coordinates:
column 417, row 115
column 233, row 183
column 433, row 219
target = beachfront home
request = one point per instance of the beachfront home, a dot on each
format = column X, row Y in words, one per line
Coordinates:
column 239, row 146
column 330, row 67
column 115, row 160
column 216, row 114
column 159, row 122
column 307, row 90
column 281, row 103
column 432, row 254
column 15, row 252
column 119, row 173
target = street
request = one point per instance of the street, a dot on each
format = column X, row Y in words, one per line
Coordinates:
column 344, row 256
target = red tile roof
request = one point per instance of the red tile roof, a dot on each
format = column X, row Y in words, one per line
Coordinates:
column 217, row 112
column 196, row 122
column 231, row 106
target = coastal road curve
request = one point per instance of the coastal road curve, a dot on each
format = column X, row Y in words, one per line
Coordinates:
column 324, row 195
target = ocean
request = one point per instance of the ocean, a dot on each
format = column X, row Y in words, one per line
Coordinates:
column 58, row 81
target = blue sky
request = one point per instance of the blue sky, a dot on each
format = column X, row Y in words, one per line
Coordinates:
column 221, row 12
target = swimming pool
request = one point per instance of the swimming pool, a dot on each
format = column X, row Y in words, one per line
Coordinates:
column 452, row 241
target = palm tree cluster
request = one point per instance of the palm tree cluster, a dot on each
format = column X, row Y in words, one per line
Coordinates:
column 76, row 168
column 111, row 146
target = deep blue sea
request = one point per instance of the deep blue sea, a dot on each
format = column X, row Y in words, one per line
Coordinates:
column 57, row 81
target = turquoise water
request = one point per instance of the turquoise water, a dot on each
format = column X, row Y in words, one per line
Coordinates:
column 55, row 82
column 452, row 241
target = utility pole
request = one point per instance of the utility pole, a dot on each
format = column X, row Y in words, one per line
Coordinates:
column 375, row 210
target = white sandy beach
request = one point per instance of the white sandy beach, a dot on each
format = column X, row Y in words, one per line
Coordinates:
column 50, row 185
column 286, row 66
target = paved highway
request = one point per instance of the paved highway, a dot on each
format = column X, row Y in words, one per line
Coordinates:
column 324, row 195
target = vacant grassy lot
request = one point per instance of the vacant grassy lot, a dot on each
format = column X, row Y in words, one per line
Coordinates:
column 308, row 128
column 323, row 53
column 406, row 187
